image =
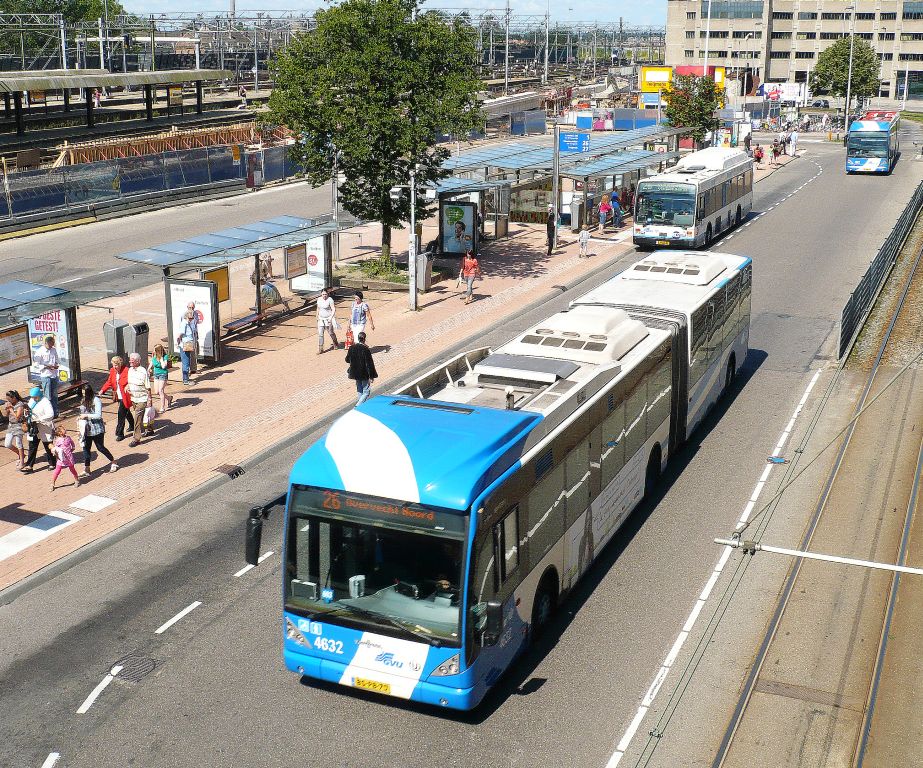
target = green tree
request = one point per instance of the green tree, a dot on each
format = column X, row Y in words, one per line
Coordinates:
column 691, row 102
column 832, row 71
column 376, row 87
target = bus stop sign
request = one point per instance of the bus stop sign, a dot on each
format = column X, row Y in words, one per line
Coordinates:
column 573, row 141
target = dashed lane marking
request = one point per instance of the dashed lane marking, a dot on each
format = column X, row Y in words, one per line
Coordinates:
column 52, row 758
column 88, row 701
column 247, row 568
column 188, row 609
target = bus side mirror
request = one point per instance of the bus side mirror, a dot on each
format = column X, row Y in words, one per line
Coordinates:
column 253, row 536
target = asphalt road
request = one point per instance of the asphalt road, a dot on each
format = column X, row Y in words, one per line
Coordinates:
column 85, row 257
column 212, row 690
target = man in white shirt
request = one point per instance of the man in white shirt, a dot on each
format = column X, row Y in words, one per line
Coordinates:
column 139, row 387
column 46, row 365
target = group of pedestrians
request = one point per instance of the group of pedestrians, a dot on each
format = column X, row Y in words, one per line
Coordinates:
column 358, row 354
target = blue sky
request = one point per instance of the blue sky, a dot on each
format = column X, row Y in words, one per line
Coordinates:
column 639, row 12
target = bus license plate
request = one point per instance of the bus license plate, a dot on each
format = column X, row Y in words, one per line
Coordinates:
column 663, row 242
column 371, row 685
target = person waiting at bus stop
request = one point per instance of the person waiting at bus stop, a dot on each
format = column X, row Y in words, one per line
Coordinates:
column 361, row 368
column 118, row 383
column 188, row 341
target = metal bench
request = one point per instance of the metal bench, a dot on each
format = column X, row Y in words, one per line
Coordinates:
column 243, row 322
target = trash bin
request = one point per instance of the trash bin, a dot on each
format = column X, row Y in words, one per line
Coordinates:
column 114, row 336
column 424, row 272
column 135, row 336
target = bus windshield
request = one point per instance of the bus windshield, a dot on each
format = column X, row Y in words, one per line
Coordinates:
column 867, row 144
column 345, row 566
column 666, row 203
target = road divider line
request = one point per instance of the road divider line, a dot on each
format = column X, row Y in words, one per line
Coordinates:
column 262, row 557
column 52, row 758
column 248, row 568
column 88, row 701
column 188, row 609
column 672, row 655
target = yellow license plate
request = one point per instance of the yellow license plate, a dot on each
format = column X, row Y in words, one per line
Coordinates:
column 663, row 242
column 371, row 685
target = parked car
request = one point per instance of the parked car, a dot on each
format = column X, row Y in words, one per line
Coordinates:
column 822, row 103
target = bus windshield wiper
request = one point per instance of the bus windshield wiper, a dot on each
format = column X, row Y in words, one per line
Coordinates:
column 391, row 621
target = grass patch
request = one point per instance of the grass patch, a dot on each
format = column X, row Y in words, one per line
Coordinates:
column 381, row 269
column 917, row 117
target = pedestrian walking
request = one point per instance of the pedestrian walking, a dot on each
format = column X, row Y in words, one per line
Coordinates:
column 39, row 428
column 46, row 366
column 188, row 342
column 758, row 155
column 118, row 383
column 97, row 97
column 139, row 387
column 361, row 368
column 793, row 142
column 158, row 370
column 93, row 428
column 64, row 451
column 359, row 315
column 584, row 242
column 242, row 93
column 616, row 212
column 776, row 151
column 14, row 410
column 551, row 227
column 326, row 321
column 747, row 143
column 470, row 269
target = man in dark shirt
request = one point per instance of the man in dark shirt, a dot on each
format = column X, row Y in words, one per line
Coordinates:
column 550, row 227
column 361, row 368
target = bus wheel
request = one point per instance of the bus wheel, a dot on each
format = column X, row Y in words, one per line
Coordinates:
column 738, row 216
column 543, row 606
column 652, row 475
column 729, row 374
column 708, row 236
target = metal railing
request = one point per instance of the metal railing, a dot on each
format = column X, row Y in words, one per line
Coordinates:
column 862, row 299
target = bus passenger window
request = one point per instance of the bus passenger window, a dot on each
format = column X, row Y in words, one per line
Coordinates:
column 506, row 535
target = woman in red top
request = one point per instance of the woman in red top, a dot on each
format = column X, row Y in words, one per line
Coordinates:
column 118, row 383
column 470, row 269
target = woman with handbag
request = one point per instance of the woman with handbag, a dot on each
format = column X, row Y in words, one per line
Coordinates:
column 93, row 429
column 187, row 340
column 39, row 427
column 14, row 409
column 159, row 370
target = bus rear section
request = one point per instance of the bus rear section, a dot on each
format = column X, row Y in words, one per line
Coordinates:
column 702, row 196
column 872, row 143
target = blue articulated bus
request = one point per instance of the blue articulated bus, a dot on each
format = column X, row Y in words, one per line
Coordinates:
column 431, row 532
column 872, row 143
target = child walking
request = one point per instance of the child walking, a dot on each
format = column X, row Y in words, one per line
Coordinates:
column 64, row 449
column 584, row 242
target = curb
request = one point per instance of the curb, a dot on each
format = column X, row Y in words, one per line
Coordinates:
column 86, row 551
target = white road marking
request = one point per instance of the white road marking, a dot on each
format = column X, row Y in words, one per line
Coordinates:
column 188, row 609
column 671, row 657
column 52, row 758
column 113, row 269
column 88, row 702
column 93, row 503
column 27, row 535
column 65, row 282
column 247, row 568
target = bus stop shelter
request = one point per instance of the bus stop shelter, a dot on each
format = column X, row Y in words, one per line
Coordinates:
column 197, row 269
column 493, row 199
column 28, row 313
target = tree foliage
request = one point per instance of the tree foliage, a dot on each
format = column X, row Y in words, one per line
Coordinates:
column 691, row 102
column 376, row 87
column 832, row 71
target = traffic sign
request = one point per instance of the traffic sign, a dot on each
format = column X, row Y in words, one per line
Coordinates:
column 572, row 141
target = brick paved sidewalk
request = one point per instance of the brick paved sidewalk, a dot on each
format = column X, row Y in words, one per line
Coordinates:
column 229, row 417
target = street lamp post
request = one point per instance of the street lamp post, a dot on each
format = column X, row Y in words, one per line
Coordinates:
column 412, row 245
column 707, row 38
column 852, row 37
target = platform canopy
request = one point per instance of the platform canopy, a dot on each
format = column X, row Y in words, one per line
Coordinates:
column 60, row 79
column 623, row 162
column 227, row 245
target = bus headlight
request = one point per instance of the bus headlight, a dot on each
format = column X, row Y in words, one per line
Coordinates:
column 448, row 667
column 690, row 232
column 293, row 633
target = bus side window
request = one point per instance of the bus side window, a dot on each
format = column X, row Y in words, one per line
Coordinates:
column 724, row 193
column 698, row 359
column 659, row 387
column 613, row 444
column 577, row 472
column 635, row 410
column 745, row 277
column 732, row 309
column 482, row 588
column 506, row 539
column 715, row 326
column 545, row 515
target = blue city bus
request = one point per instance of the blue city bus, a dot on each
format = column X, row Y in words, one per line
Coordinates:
column 872, row 143
column 431, row 533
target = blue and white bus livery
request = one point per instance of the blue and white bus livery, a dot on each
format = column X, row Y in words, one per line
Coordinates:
column 872, row 144
column 431, row 533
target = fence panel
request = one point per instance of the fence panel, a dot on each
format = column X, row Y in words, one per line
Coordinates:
column 141, row 175
column 92, row 183
column 273, row 163
column 862, row 299
column 222, row 165
column 36, row 191
column 186, row 168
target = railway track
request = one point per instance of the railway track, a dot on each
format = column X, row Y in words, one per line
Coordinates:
column 877, row 469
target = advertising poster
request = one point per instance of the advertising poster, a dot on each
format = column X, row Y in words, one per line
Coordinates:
column 175, row 96
column 205, row 295
column 315, row 278
column 52, row 324
column 457, row 227
column 296, row 261
column 219, row 276
column 15, row 350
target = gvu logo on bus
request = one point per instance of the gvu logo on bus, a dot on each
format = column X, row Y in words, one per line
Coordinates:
column 388, row 660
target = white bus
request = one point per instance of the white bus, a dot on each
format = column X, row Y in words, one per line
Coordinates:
column 703, row 195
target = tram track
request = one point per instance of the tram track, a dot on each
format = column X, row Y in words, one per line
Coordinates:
column 900, row 343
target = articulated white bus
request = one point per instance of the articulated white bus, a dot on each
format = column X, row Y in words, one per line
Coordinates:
column 703, row 195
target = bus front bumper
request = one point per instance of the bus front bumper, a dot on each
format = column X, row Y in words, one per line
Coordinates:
column 423, row 691
column 662, row 241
